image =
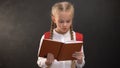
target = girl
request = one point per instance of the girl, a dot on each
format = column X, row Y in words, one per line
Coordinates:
column 61, row 30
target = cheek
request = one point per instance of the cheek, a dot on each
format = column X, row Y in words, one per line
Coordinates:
column 58, row 25
column 70, row 24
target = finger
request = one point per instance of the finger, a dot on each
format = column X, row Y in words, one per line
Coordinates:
column 48, row 57
column 79, row 52
column 77, row 56
column 51, row 57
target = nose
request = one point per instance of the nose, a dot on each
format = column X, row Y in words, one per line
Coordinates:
column 64, row 24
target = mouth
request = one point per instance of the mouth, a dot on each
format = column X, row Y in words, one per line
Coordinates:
column 64, row 28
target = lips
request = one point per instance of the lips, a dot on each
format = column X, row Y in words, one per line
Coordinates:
column 64, row 28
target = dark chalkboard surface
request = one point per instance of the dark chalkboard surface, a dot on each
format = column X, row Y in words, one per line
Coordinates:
column 23, row 22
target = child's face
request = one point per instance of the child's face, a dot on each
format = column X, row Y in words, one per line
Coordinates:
column 63, row 21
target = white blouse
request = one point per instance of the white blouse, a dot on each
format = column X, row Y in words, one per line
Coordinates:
column 59, row 64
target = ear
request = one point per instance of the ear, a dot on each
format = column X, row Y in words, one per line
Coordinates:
column 53, row 18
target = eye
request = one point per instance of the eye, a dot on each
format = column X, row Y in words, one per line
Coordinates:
column 68, row 21
column 61, row 21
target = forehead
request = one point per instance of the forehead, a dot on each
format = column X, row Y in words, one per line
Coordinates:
column 64, row 15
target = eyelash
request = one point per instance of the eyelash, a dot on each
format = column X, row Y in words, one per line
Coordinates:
column 63, row 21
column 68, row 21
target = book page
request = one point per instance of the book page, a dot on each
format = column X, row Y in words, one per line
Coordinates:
column 70, row 42
column 66, row 42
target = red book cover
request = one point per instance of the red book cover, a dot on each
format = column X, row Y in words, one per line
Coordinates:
column 60, row 50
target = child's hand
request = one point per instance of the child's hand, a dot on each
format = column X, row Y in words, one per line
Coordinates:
column 78, row 56
column 50, row 59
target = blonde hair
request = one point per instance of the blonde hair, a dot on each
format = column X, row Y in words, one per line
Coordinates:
column 61, row 7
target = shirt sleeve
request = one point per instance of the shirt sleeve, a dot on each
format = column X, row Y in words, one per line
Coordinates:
column 83, row 61
column 41, row 60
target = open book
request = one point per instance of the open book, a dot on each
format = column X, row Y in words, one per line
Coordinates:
column 61, row 51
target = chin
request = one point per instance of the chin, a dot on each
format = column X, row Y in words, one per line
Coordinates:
column 64, row 31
